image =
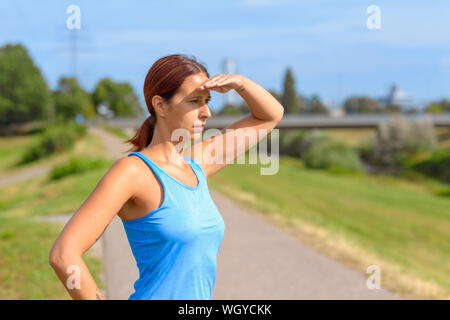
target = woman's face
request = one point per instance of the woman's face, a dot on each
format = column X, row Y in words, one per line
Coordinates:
column 189, row 106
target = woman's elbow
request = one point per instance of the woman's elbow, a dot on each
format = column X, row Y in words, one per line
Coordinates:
column 59, row 257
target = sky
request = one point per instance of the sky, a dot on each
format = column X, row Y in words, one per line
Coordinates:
column 327, row 44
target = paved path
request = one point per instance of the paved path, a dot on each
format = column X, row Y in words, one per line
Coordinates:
column 256, row 260
column 24, row 174
column 259, row 261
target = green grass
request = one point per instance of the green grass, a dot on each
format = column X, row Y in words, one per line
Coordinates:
column 25, row 243
column 42, row 196
column 12, row 148
column 118, row 132
column 401, row 222
column 24, row 269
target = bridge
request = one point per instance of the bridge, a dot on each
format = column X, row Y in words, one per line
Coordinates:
column 302, row 121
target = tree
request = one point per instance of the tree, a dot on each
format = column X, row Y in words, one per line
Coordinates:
column 71, row 99
column 118, row 96
column 393, row 108
column 362, row 105
column 433, row 107
column 24, row 94
column 302, row 102
column 289, row 99
column 230, row 109
column 438, row 106
column 316, row 106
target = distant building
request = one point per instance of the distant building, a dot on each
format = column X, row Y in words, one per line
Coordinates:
column 334, row 109
column 337, row 112
column 229, row 66
column 105, row 111
column 398, row 97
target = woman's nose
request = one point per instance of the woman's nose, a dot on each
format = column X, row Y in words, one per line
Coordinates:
column 206, row 112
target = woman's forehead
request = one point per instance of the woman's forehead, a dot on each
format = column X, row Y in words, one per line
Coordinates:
column 191, row 84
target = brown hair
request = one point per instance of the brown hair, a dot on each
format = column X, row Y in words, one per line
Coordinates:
column 163, row 79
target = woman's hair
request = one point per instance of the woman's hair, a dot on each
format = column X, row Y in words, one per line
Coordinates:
column 163, row 79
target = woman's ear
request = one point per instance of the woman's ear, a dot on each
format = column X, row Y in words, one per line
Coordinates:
column 160, row 105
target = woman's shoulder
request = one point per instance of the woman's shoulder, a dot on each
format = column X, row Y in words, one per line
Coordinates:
column 140, row 174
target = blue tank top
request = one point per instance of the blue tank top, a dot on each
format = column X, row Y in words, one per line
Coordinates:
column 176, row 245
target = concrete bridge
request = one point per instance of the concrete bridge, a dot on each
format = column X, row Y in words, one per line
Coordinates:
column 301, row 121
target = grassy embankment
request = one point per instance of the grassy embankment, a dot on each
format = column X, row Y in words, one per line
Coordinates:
column 25, row 241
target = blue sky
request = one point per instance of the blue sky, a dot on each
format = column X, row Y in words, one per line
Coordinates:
column 326, row 43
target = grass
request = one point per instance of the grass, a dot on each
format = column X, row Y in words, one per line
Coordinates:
column 12, row 148
column 40, row 196
column 118, row 132
column 24, row 269
column 25, row 242
column 351, row 136
column 358, row 220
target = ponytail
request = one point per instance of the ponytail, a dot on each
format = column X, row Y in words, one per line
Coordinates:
column 144, row 135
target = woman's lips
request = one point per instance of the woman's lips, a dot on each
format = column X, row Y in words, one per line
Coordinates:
column 199, row 128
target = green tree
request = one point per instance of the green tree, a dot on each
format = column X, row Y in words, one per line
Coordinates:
column 362, row 105
column 24, row 94
column 438, row 106
column 70, row 99
column 230, row 109
column 289, row 99
column 119, row 97
column 393, row 108
column 316, row 106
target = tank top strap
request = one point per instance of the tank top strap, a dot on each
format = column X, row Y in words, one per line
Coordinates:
column 156, row 169
column 196, row 167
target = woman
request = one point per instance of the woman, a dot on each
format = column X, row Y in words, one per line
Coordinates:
column 160, row 192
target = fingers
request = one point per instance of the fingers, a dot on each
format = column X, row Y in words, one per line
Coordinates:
column 212, row 81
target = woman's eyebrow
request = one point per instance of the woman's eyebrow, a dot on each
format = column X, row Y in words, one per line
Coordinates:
column 209, row 97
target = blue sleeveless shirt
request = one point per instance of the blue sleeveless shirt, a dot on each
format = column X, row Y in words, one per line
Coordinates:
column 176, row 245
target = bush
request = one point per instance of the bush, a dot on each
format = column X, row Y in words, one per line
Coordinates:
column 290, row 140
column 311, row 138
column 332, row 155
column 297, row 142
column 398, row 138
column 438, row 165
column 77, row 165
column 56, row 138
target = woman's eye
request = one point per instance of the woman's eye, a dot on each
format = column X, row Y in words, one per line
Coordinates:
column 196, row 101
